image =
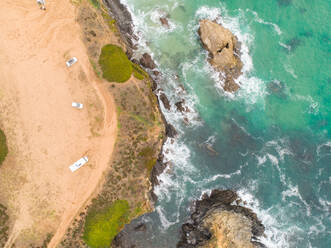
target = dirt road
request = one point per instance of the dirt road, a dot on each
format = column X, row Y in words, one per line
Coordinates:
column 45, row 134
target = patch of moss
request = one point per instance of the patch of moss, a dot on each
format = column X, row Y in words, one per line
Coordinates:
column 115, row 65
column 102, row 226
column 3, row 146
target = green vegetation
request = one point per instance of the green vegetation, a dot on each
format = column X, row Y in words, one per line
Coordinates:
column 115, row 65
column 138, row 72
column 102, row 227
column 95, row 3
column 139, row 118
column 3, row 147
column 110, row 21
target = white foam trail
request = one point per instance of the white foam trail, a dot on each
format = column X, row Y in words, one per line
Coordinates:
column 290, row 70
column 259, row 20
column 284, row 45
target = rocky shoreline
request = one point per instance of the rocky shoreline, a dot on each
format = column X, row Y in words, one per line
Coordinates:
column 219, row 220
column 203, row 229
column 123, row 18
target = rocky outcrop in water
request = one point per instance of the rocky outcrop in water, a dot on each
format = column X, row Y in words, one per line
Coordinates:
column 223, row 48
column 147, row 61
column 218, row 221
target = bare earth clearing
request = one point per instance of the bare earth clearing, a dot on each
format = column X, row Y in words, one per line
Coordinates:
column 44, row 133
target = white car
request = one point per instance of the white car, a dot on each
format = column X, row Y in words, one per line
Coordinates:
column 78, row 164
column 71, row 61
column 77, row 105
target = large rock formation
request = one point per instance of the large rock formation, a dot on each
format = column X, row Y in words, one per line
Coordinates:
column 218, row 221
column 223, row 49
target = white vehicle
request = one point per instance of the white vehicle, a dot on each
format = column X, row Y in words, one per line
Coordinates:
column 77, row 105
column 78, row 164
column 71, row 61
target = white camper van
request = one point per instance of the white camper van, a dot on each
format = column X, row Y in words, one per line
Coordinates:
column 78, row 164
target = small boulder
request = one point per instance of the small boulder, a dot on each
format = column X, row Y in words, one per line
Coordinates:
column 165, row 101
column 181, row 107
column 147, row 61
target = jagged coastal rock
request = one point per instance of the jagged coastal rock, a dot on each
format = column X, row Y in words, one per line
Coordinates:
column 223, row 48
column 218, row 221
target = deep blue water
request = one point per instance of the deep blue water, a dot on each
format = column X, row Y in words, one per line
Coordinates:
column 272, row 138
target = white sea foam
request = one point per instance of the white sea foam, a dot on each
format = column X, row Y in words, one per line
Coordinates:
column 324, row 149
column 174, row 153
column 275, row 237
column 281, row 147
column 164, row 221
column 261, row 160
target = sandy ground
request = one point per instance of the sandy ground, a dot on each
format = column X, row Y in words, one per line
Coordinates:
column 45, row 134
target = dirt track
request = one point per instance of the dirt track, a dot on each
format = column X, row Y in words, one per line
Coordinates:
column 45, row 134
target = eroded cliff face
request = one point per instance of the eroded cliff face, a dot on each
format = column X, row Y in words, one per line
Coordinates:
column 219, row 221
column 223, row 48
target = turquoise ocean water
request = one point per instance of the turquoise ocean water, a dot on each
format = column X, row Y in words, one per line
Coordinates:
column 272, row 138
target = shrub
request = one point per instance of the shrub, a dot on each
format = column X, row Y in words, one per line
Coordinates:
column 102, row 227
column 115, row 65
column 3, row 147
column 95, row 3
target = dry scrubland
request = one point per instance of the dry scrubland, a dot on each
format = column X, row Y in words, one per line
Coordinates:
column 43, row 204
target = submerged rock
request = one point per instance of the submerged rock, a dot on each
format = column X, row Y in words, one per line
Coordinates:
column 181, row 106
column 218, row 222
column 223, row 49
column 164, row 21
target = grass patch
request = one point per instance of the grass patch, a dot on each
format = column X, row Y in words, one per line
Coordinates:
column 115, row 65
column 139, row 119
column 138, row 72
column 3, row 146
column 95, row 3
column 102, row 227
column 110, row 21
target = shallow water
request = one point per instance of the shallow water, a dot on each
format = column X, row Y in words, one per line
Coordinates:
column 272, row 138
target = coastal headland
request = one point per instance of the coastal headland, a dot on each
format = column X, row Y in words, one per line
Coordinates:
column 120, row 128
